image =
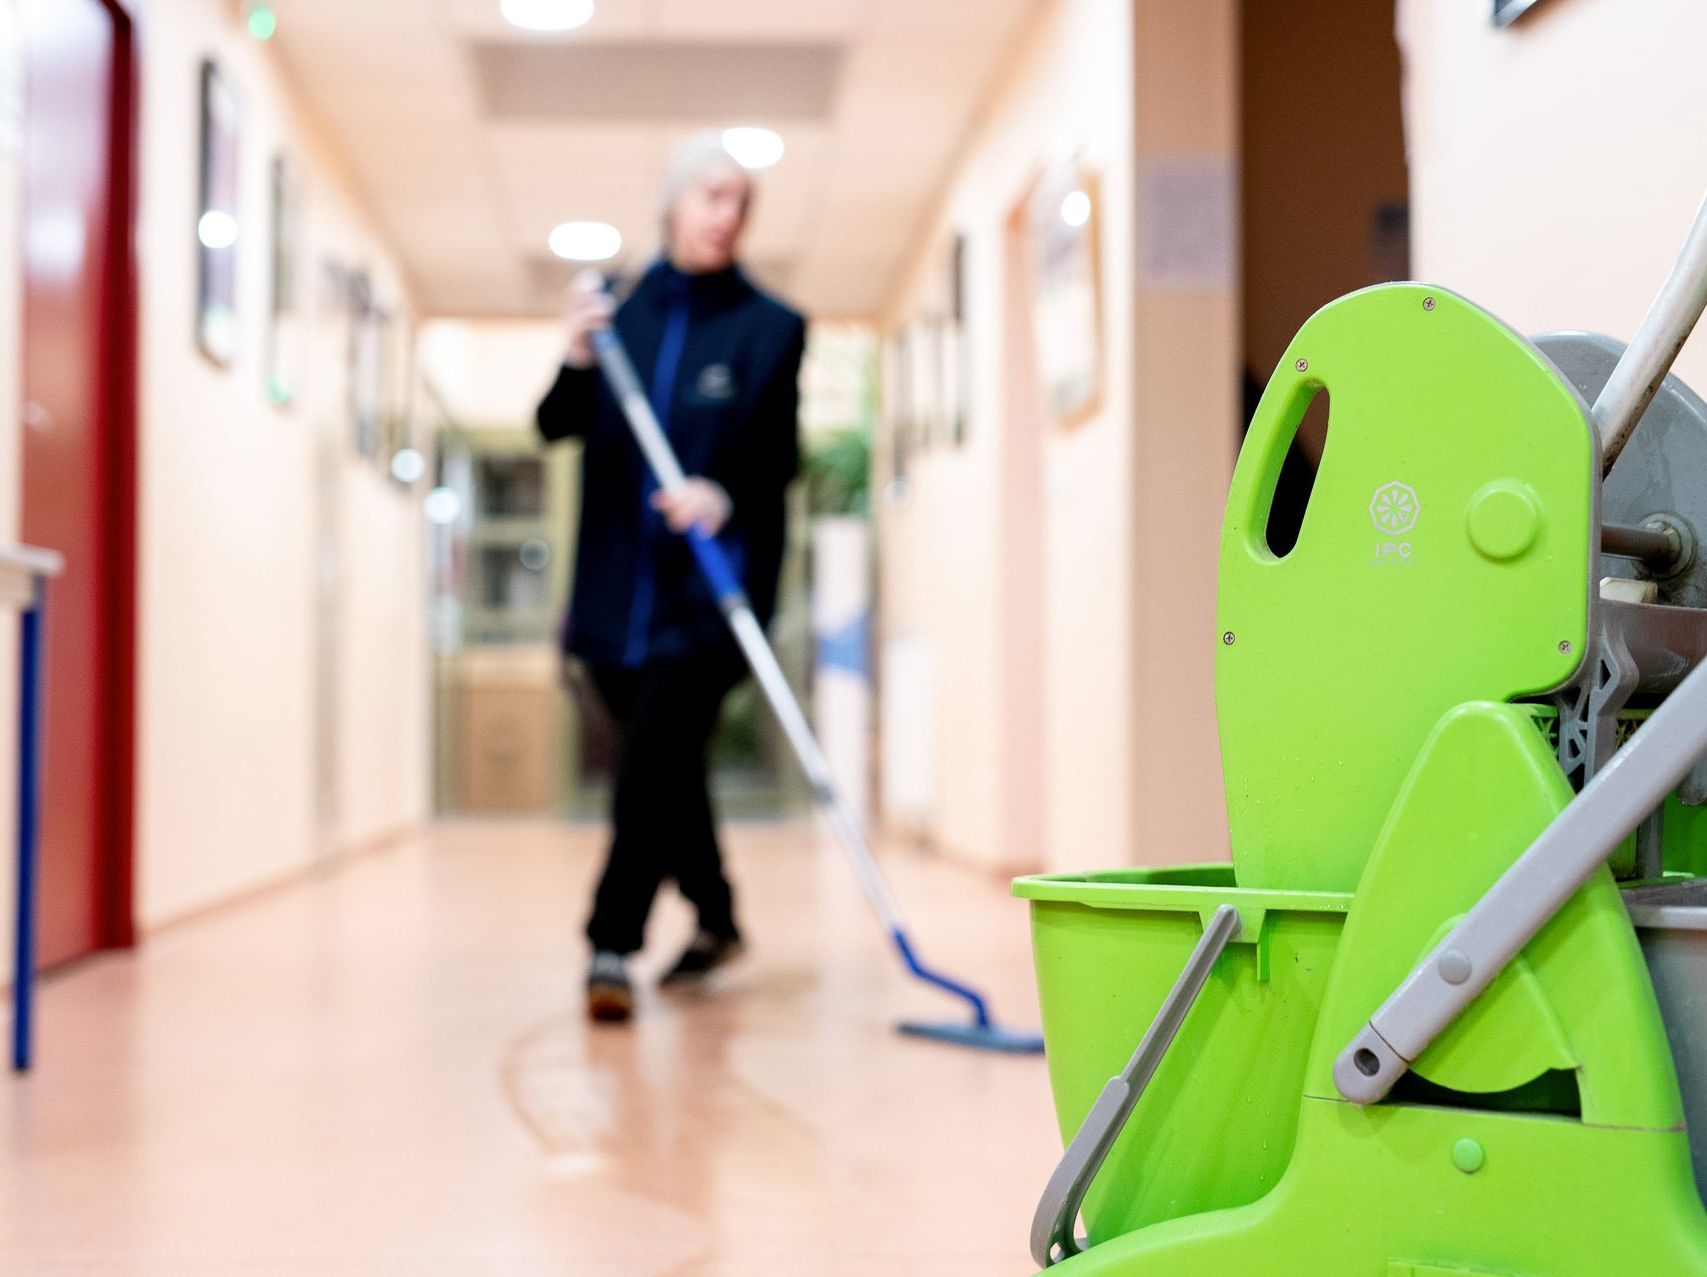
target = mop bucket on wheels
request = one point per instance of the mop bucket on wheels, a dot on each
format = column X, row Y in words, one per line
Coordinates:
column 1443, row 1014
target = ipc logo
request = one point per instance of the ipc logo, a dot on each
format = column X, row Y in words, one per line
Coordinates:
column 1394, row 508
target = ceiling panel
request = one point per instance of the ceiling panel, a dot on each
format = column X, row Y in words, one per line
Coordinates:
column 472, row 138
column 955, row 18
column 762, row 21
column 654, row 80
column 590, row 173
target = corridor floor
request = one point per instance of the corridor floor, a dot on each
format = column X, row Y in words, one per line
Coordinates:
column 383, row 1069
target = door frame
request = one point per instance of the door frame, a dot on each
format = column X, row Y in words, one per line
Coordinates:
column 115, row 909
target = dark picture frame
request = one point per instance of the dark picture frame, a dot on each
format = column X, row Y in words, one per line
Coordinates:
column 368, row 324
column 285, row 318
column 399, row 404
column 957, row 354
column 219, row 223
column 898, row 362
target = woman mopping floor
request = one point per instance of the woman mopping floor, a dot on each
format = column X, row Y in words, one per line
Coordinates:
column 720, row 362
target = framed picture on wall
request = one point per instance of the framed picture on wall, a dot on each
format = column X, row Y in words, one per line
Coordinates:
column 365, row 361
column 399, row 398
column 897, row 406
column 1066, row 293
column 957, row 376
column 370, row 381
column 922, row 381
column 1507, row 12
column 285, row 319
column 219, row 217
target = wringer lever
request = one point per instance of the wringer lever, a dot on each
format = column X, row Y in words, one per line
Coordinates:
column 1618, row 798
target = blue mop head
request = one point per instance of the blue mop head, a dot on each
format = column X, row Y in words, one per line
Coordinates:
column 982, row 1037
column 983, row 1033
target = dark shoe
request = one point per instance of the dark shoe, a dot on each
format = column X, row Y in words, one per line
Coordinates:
column 704, row 954
column 610, row 997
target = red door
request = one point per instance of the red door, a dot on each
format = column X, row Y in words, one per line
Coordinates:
column 78, row 454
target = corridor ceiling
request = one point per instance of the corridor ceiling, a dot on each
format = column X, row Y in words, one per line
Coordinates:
column 472, row 138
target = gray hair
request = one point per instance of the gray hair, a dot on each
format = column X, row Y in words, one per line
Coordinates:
column 699, row 155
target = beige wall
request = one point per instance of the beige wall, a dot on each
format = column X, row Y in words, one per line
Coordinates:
column 1185, row 353
column 1555, row 165
column 235, row 499
column 235, row 496
column 491, row 372
column 1115, row 743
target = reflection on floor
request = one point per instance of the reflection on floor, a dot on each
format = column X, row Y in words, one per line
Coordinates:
column 384, row 1070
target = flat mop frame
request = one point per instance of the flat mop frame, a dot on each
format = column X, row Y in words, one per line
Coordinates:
column 714, row 564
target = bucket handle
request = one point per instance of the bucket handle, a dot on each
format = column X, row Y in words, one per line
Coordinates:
column 1054, row 1224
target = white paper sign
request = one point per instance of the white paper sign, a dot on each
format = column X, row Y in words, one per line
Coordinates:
column 1187, row 224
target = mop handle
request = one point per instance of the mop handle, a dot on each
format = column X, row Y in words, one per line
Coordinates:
column 738, row 612
column 1649, row 356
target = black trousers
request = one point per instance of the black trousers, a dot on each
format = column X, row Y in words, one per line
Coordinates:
column 663, row 825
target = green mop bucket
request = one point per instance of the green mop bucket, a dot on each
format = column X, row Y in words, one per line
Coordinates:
column 1215, row 1126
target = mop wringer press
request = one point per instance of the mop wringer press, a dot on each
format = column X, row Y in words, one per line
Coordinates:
column 1445, row 1012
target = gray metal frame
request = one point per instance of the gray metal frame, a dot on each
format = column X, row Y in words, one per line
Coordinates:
column 1664, row 329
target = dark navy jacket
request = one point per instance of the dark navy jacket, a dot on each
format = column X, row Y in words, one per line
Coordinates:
column 730, row 356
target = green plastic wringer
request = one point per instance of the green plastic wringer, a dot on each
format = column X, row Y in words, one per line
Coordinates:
column 1446, row 1010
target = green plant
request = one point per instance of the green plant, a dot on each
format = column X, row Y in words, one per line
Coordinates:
column 838, row 473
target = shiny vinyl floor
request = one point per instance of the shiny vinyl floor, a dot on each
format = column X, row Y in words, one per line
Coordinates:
column 383, row 1069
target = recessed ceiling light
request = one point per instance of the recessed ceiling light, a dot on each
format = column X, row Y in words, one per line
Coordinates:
column 408, row 465
column 1076, row 208
column 753, row 148
column 217, row 229
column 443, row 505
column 586, row 241
column 547, row 15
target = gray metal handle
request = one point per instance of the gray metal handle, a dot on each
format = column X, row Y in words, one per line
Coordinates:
column 1056, row 1220
column 1619, row 797
column 1648, row 358
column 637, row 408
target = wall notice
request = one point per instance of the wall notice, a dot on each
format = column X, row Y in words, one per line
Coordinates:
column 1187, row 224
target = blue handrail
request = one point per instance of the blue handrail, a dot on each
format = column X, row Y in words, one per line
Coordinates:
column 20, row 565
